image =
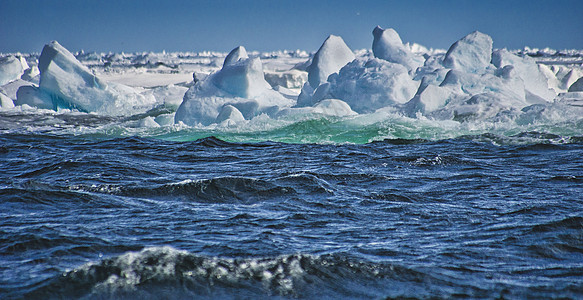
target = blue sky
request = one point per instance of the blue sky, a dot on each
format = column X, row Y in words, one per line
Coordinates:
column 220, row 25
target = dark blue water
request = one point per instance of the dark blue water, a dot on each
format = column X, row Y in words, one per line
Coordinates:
column 471, row 217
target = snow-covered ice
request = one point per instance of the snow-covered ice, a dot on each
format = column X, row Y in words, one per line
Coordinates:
column 5, row 101
column 240, row 83
column 71, row 85
column 535, row 82
column 387, row 45
column 577, row 86
column 332, row 55
column 471, row 54
column 369, row 84
column 11, row 68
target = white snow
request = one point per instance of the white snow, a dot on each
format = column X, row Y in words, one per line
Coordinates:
column 429, row 99
column 290, row 79
column 229, row 115
column 333, row 107
column 169, row 95
column 243, row 78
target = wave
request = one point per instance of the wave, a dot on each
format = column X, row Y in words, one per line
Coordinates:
column 165, row 272
column 228, row 189
column 360, row 129
column 575, row 222
column 216, row 190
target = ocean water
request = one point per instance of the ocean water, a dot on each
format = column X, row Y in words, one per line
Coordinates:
column 97, row 208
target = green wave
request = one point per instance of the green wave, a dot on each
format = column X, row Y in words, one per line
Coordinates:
column 370, row 128
column 321, row 129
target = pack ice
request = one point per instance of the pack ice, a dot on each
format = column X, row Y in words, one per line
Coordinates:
column 66, row 83
column 471, row 81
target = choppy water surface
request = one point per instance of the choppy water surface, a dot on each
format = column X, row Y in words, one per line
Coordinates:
column 99, row 215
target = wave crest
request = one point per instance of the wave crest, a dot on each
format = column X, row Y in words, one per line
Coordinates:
column 159, row 271
column 216, row 190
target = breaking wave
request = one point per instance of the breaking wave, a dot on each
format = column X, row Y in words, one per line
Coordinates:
column 215, row 190
column 359, row 129
column 167, row 272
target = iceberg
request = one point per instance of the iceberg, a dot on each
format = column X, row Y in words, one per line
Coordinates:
column 240, row 85
column 569, row 77
column 535, row 82
column 292, row 79
column 11, row 88
column 31, row 74
column 34, row 97
column 573, row 99
column 577, row 86
column 465, row 96
column 333, row 107
column 5, row 101
column 493, row 107
column 369, row 84
column 428, row 98
column 471, row 54
column 387, row 45
column 470, row 82
column 169, row 95
column 71, row 85
column 329, row 59
column 326, row 107
column 480, row 84
column 229, row 115
column 11, row 68
column 241, row 76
